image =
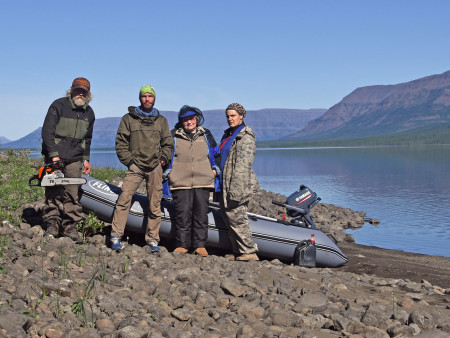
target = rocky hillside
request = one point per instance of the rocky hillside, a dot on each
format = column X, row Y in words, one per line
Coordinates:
column 384, row 109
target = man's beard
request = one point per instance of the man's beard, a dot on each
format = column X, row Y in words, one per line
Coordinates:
column 79, row 101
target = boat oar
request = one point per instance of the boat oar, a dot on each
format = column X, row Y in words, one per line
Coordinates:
column 253, row 216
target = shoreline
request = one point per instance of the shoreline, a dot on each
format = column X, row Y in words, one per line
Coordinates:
column 396, row 264
column 387, row 263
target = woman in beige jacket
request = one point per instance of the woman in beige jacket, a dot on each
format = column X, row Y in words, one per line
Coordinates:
column 192, row 175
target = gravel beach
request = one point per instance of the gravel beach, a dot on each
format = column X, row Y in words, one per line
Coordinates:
column 53, row 288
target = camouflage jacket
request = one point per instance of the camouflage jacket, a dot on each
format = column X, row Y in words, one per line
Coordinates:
column 239, row 179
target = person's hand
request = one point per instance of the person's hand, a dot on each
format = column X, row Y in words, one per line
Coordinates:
column 216, row 170
column 87, row 168
column 57, row 164
column 165, row 175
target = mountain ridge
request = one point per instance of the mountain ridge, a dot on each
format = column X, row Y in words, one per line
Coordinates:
column 367, row 112
column 384, row 109
column 268, row 124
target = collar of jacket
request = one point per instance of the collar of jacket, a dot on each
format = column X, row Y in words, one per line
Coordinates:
column 230, row 130
column 74, row 106
column 132, row 112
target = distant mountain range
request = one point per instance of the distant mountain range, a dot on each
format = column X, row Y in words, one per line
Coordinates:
column 419, row 106
column 384, row 110
column 268, row 124
column 4, row 140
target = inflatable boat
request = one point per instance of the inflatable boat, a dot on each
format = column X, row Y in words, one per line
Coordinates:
column 275, row 238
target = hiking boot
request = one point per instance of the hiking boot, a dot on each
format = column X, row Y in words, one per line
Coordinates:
column 230, row 257
column 116, row 243
column 154, row 246
column 52, row 229
column 70, row 230
column 247, row 257
column 181, row 250
column 201, row 252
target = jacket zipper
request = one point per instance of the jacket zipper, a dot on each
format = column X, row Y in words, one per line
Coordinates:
column 76, row 125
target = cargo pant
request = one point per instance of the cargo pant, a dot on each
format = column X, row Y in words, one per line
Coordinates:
column 240, row 233
column 131, row 182
column 61, row 202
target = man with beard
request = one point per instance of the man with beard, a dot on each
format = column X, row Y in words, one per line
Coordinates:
column 144, row 145
column 66, row 142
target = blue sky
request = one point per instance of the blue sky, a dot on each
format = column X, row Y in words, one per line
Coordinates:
column 263, row 54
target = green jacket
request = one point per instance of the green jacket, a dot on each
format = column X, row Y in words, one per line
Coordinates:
column 67, row 131
column 144, row 141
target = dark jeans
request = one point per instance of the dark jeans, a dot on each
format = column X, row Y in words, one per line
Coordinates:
column 191, row 217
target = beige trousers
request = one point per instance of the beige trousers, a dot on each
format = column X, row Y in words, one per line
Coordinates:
column 131, row 182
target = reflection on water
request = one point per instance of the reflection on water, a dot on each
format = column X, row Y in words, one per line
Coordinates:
column 406, row 188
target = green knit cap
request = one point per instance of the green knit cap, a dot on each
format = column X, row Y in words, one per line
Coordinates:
column 147, row 89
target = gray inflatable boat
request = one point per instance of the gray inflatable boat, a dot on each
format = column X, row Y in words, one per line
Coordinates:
column 275, row 238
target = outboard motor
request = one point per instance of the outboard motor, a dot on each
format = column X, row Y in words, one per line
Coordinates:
column 298, row 206
column 300, row 203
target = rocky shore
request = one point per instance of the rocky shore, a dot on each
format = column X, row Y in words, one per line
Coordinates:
column 54, row 288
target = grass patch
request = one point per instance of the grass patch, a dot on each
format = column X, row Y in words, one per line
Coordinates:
column 107, row 173
column 5, row 246
column 16, row 167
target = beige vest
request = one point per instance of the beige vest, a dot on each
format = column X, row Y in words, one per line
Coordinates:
column 191, row 167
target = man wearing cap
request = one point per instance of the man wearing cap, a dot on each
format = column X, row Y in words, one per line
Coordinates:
column 143, row 144
column 66, row 142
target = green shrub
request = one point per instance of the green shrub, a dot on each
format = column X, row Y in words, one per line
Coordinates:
column 90, row 226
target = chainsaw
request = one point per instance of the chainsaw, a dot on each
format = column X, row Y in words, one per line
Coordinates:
column 51, row 174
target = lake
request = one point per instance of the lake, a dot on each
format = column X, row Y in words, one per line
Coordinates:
column 406, row 188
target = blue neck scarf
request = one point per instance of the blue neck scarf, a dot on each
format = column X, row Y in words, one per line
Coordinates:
column 225, row 146
column 154, row 112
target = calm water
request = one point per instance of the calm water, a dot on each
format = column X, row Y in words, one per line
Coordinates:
column 407, row 189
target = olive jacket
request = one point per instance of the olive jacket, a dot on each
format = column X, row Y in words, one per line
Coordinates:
column 143, row 141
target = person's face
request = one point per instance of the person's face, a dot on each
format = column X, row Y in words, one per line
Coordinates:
column 79, row 96
column 234, row 119
column 147, row 101
column 189, row 124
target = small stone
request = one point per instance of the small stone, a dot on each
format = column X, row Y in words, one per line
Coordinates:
column 180, row 315
column 104, row 323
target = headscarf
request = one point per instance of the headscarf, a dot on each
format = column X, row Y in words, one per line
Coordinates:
column 238, row 107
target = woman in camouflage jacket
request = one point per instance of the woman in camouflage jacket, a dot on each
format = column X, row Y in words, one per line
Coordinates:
column 238, row 182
